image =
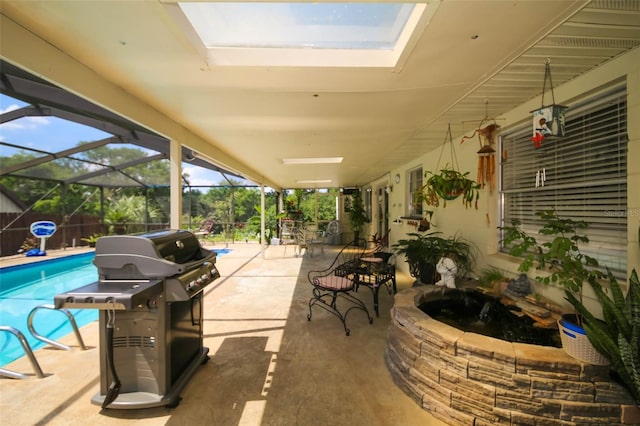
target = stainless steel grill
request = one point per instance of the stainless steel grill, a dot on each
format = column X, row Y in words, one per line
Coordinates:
column 150, row 299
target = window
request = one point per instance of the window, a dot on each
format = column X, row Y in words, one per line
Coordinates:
column 582, row 175
column 414, row 203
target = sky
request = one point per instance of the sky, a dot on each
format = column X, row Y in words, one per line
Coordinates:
column 52, row 134
column 300, row 25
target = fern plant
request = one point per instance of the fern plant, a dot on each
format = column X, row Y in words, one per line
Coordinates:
column 618, row 336
column 449, row 184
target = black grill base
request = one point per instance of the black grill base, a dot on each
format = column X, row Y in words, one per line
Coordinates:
column 138, row 400
column 155, row 353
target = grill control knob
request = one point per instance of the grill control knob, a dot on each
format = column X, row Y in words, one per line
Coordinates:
column 192, row 286
column 204, row 277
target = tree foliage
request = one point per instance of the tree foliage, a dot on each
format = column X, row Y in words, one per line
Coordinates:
column 227, row 203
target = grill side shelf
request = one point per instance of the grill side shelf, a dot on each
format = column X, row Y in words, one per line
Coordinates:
column 119, row 295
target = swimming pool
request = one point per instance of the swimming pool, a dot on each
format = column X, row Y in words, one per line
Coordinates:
column 24, row 287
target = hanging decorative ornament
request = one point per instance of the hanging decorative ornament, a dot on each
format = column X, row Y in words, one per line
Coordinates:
column 548, row 120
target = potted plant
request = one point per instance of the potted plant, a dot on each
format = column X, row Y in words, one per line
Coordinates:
column 357, row 215
column 618, row 336
column 448, row 185
column 565, row 264
column 92, row 239
column 493, row 279
column 422, row 252
column 292, row 205
column 118, row 219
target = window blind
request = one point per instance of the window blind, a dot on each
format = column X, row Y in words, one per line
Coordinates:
column 582, row 175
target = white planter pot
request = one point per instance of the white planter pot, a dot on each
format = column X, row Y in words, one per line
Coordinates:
column 576, row 343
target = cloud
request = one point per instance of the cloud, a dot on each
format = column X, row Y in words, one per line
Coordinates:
column 24, row 122
column 200, row 176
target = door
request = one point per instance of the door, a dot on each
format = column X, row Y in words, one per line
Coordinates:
column 382, row 210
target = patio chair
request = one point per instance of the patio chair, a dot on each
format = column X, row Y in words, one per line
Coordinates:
column 332, row 284
column 333, row 233
column 301, row 242
column 370, row 268
column 288, row 236
column 205, row 229
column 310, row 239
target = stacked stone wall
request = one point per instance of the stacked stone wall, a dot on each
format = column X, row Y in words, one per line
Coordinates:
column 469, row 379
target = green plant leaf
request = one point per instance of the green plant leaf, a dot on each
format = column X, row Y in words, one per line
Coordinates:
column 632, row 367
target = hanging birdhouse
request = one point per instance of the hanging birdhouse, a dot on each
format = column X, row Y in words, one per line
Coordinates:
column 548, row 120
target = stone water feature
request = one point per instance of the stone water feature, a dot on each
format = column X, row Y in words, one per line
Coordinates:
column 464, row 378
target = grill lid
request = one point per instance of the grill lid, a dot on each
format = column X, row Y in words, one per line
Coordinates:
column 156, row 254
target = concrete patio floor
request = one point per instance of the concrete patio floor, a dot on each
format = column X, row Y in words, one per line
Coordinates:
column 268, row 366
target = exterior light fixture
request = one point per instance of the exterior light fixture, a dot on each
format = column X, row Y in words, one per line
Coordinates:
column 313, row 160
column 314, row 181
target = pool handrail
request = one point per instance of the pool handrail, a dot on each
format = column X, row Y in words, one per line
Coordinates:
column 27, row 350
column 48, row 341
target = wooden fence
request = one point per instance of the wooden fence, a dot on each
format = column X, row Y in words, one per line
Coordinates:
column 67, row 235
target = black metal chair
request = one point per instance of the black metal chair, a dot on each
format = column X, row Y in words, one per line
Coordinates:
column 375, row 271
column 369, row 268
column 332, row 283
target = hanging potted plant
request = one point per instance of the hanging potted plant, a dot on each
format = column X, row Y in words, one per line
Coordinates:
column 566, row 266
column 448, row 185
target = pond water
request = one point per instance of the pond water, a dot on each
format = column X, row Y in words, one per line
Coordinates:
column 473, row 311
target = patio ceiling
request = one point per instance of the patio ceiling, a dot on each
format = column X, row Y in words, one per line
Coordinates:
column 472, row 58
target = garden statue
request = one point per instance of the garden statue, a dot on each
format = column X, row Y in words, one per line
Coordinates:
column 519, row 287
column 447, row 270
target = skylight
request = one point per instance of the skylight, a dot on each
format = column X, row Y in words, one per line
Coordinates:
column 303, row 34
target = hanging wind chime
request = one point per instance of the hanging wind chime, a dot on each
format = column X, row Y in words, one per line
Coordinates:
column 548, row 120
column 487, row 132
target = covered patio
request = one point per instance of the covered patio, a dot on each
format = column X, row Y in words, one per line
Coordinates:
column 369, row 128
column 268, row 366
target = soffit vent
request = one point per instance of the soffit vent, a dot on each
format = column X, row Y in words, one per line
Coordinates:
column 589, row 43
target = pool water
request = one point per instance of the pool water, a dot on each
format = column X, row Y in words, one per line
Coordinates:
column 24, row 287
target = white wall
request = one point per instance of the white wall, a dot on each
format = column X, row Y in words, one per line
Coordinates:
column 7, row 205
column 480, row 226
